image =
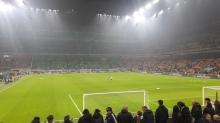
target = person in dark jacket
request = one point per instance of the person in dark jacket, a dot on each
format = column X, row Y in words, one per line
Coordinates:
column 161, row 114
column 98, row 118
column 176, row 115
column 124, row 116
column 217, row 107
column 86, row 118
column 209, row 109
column 206, row 119
column 67, row 119
column 139, row 118
column 148, row 115
column 196, row 111
column 186, row 117
column 110, row 116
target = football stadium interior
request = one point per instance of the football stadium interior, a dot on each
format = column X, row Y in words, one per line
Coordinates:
column 63, row 60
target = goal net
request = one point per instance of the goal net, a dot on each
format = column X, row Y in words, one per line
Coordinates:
column 210, row 92
column 133, row 99
column 85, row 70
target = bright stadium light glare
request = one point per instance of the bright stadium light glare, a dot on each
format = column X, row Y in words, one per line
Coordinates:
column 127, row 17
column 154, row 16
column 178, row 4
column 20, row 2
column 155, row 1
column 141, row 10
column 148, row 6
column 4, row 6
column 168, row 8
column 139, row 18
column 135, row 13
column 161, row 12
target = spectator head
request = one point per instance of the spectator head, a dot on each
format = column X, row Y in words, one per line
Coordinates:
column 207, row 100
column 207, row 117
column 97, row 111
column 109, row 110
column 193, row 102
column 67, row 118
column 216, row 117
column 37, row 119
column 180, row 104
column 85, row 111
column 175, row 108
column 160, row 102
column 144, row 108
column 208, row 105
column 34, row 121
column 50, row 118
column 139, row 113
column 124, row 107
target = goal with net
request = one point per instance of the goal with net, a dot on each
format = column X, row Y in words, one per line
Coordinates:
column 85, row 70
column 133, row 99
column 210, row 92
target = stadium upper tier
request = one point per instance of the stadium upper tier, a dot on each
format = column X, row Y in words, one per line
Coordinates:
column 95, row 40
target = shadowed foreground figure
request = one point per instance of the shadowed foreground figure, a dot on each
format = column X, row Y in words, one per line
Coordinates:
column 124, row 116
column 86, row 118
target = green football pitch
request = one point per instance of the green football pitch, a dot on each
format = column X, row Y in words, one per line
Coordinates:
column 62, row 94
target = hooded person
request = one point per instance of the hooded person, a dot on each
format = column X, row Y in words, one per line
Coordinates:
column 148, row 115
column 86, row 118
column 98, row 118
column 161, row 115
column 124, row 116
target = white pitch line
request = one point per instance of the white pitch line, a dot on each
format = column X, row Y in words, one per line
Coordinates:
column 75, row 105
column 13, row 85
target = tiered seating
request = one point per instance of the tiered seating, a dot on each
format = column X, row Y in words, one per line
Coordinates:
column 16, row 61
column 51, row 62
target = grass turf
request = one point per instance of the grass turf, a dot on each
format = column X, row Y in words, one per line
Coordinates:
column 41, row 95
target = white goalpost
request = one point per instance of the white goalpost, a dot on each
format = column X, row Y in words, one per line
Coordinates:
column 133, row 99
column 210, row 92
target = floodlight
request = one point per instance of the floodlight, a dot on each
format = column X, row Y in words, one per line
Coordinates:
column 148, row 6
column 139, row 18
column 161, row 12
column 177, row 4
column 20, row 2
column 4, row 6
column 168, row 8
column 127, row 17
column 98, row 14
column 155, row 15
column 155, row 1
column 141, row 10
column 135, row 13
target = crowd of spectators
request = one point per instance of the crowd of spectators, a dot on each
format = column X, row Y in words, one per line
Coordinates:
column 208, row 63
column 180, row 114
column 15, row 61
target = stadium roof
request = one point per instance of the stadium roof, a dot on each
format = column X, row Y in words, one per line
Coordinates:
column 159, row 16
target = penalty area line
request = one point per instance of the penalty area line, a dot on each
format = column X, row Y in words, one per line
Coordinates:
column 75, row 105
